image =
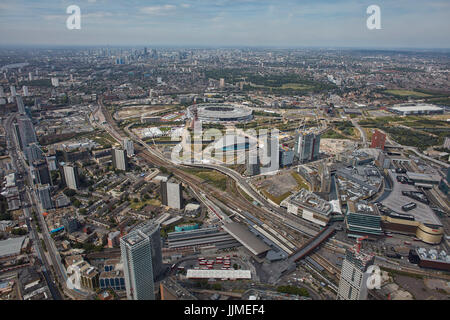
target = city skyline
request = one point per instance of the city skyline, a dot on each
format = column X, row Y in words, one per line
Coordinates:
column 227, row 23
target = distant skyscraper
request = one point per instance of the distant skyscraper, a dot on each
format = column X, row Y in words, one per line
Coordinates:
column 2, row 92
column 30, row 76
column 13, row 91
column 353, row 281
column 142, row 259
column 171, row 194
column 71, row 177
column 378, row 140
column 26, row 131
column 128, row 146
column 307, row 147
column 119, row 159
column 253, row 163
column 25, row 91
column 45, row 198
column 222, row 83
column 20, row 105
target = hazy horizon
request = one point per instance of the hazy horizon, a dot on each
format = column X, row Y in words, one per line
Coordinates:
column 227, row 23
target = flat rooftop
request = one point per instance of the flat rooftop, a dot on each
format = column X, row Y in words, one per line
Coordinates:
column 246, row 238
column 423, row 176
column 309, row 200
column 11, row 246
column 361, row 208
column 396, row 200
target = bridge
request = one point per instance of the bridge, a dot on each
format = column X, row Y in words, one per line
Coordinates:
column 311, row 245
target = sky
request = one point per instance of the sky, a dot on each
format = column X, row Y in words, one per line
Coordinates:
column 263, row 23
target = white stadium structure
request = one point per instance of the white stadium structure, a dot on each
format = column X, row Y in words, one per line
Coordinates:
column 220, row 112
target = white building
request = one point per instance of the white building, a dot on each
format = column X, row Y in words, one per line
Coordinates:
column 141, row 257
column 171, row 194
column 354, row 275
column 119, row 159
column 71, row 177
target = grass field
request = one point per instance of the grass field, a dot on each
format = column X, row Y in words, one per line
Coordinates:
column 276, row 199
column 141, row 204
column 296, row 86
column 408, row 93
column 300, row 181
column 332, row 134
column 214, row 178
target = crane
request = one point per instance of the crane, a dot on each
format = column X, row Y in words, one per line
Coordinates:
column 358, row 242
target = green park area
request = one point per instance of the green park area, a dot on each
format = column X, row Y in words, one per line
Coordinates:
column 414, row 131
column 214, row 178
column 408, row 93
column 333, row 134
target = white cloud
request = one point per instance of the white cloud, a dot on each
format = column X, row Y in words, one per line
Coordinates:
column 158, row 10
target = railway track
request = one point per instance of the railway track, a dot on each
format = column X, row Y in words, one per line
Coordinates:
column 236, row 202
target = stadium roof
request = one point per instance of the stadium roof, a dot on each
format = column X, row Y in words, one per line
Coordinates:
column 248, row 239
column 218, row 274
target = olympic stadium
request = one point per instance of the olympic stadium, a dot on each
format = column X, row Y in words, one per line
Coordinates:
column 220, row 112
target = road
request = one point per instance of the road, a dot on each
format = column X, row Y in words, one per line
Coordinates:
column 51, row 259
column 361, row 131
column 21, row 169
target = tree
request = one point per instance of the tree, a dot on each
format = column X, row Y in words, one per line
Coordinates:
column 70, row 192
column 19, row 231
